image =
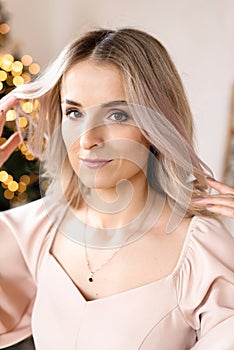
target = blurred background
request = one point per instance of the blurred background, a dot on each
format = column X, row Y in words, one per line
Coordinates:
column 199, row 36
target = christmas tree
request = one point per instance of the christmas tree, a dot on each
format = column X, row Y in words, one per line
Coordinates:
column 19, row 174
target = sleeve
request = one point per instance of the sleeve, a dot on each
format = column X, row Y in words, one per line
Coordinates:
column 25, row 234
column 17, row 291
column 205, row 285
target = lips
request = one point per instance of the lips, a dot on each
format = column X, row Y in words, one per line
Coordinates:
column 95, row 163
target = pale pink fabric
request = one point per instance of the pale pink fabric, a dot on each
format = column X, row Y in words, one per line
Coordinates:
column 195, row 300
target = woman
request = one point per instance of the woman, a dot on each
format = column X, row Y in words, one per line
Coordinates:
column 122, row 252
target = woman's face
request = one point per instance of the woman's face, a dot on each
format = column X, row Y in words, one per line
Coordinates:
column 104, row 144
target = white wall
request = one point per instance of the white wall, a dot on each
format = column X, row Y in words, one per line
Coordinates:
column 198, row 34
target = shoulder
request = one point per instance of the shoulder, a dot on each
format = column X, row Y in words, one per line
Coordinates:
column 29, row 217
column 29, row 229
column 205, row 280
column 209, row 225
column 208, row 247
column 23, row 211
column 212, row 235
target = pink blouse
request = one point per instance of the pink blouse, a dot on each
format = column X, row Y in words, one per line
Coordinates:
column 192, row 308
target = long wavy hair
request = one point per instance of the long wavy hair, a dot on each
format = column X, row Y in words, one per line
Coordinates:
column 152, row 82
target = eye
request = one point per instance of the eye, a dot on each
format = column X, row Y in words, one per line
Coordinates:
column 73, row 113
column 118, row 116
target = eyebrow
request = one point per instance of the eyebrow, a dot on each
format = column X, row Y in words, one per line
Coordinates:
column 104, row 105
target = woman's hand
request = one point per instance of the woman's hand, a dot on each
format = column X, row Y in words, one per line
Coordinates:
column 10, row 145
column 221, row 203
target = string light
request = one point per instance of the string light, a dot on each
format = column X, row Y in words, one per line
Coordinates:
column 26, row 60
column 27, row 107
column 8, row 180
column 3, row 75
column 8, row 194
column 18, row 80
column 25, row 179
column 4, row 28
column 15, row 72
column 34, row 68
column 22, row 187
column 3, row 176
column 13, row 186
column 10, row 115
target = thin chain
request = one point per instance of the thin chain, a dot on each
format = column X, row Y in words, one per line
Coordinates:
column 92, row 272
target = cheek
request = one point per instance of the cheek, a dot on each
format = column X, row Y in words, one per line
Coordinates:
column 133, row 155
column 70, row 133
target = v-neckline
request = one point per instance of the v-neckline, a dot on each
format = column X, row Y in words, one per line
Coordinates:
column 135, row 289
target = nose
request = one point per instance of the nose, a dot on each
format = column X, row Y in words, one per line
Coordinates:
column 92, row 138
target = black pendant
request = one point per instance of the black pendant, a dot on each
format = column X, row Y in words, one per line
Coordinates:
column 90, row 279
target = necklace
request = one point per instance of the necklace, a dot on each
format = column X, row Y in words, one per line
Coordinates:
column 93, row 271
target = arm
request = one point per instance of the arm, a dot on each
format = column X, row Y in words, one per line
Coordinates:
column 206, row 286
column 17, row 288
column 17, row 291
column 10, row 145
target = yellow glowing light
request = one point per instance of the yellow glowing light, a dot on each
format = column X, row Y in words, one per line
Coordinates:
column 17, row 66
column 25, row 179
column 7, row 62
column 3, row 75
column 26, row 60
column 13, row 186
column 9, row 80
column 23, row 122
column 23, row 197
column 27, row 107
column 34, row 68
column 1, row 85
column 23, row 149
column 29, row 157
column 4, row 28
column 44, row 185
column 18, row 80
column 8, row 180
column 26, row 77
column 16, row 74
column 36, row 104
column 6, row 66
column 8, row 194
column 8, row 57
column 2, row 140
column 10, row 115
column 3, row 176
column 4, row 186
column 22, row 187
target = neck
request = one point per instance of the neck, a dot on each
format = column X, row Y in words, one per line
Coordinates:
column 116, row 207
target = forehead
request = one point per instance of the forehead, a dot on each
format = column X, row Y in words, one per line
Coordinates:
column 90, row 84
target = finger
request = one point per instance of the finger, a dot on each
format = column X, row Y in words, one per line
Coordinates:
column 8, row 147
column 7, row 102
column 221, row 199
column 222, row 210
column 220, row 186
column 2, row 120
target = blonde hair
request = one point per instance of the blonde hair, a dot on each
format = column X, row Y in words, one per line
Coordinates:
column 152, row 81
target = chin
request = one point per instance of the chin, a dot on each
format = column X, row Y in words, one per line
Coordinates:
column 99, row 184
